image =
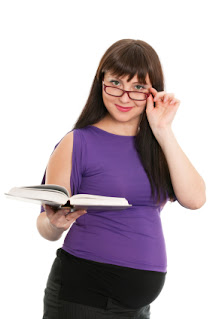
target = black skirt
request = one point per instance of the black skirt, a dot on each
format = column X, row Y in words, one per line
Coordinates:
column 83, row 289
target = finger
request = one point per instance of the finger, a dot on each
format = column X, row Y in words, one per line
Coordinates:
column 159, row 95
column 175, row 102
column 153, row 90
column 46, row 206
column 61, row 213
column 172, row 102
column 149, row 104
column 168, row 97
column 49, row 210
column 75, row 214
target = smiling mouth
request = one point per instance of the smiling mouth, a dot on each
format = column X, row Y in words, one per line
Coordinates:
column 125, row 108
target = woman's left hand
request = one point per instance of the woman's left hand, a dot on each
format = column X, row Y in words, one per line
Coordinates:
column 161, row 116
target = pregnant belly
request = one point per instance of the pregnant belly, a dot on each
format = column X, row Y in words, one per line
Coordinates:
column 92, row 283
column 135, row 288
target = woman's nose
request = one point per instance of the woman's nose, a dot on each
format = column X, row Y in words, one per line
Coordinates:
column 125, row 98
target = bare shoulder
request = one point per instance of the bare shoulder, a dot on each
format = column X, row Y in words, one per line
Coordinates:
column 67, row 140
column 60, row 163
column 65, row 145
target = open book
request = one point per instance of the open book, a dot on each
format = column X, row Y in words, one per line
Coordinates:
column 58, row 196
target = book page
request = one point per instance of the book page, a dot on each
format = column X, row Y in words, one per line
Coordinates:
column 87, row 199
column 49, row 187
column 97, row 197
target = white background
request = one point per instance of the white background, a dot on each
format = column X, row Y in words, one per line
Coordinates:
column 50, row 51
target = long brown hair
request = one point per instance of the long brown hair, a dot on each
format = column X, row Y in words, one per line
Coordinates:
column 129, row 57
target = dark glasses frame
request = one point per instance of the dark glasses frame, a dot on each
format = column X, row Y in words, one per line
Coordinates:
column 124, row 91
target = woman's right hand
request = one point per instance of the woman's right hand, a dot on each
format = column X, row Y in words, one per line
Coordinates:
column 61, row 219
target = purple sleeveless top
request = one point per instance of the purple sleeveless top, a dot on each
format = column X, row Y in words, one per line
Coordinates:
column 107, row 164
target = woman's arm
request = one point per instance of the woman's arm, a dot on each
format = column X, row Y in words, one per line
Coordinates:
column 46, row 229
column 188, row 185
column 51, row 224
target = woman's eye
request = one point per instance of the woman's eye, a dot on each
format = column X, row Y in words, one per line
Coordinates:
column 115, row 82
column 139, row 87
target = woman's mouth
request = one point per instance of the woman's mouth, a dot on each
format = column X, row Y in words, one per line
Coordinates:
column 123, row 109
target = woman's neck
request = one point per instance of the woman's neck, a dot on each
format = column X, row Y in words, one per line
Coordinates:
column 119, row 128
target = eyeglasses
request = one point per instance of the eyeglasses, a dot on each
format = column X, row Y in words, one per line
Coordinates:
column 133, row 95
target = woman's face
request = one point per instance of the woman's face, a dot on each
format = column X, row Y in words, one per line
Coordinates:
column 112, row 103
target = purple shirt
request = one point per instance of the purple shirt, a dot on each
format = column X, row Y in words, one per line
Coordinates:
column 107, row 164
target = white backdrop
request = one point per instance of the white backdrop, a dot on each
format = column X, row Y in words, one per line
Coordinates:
column 49, row 54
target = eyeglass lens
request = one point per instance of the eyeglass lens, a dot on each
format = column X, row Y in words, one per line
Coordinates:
column 132, row 95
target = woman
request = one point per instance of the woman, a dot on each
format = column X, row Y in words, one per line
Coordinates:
column 113, row 264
